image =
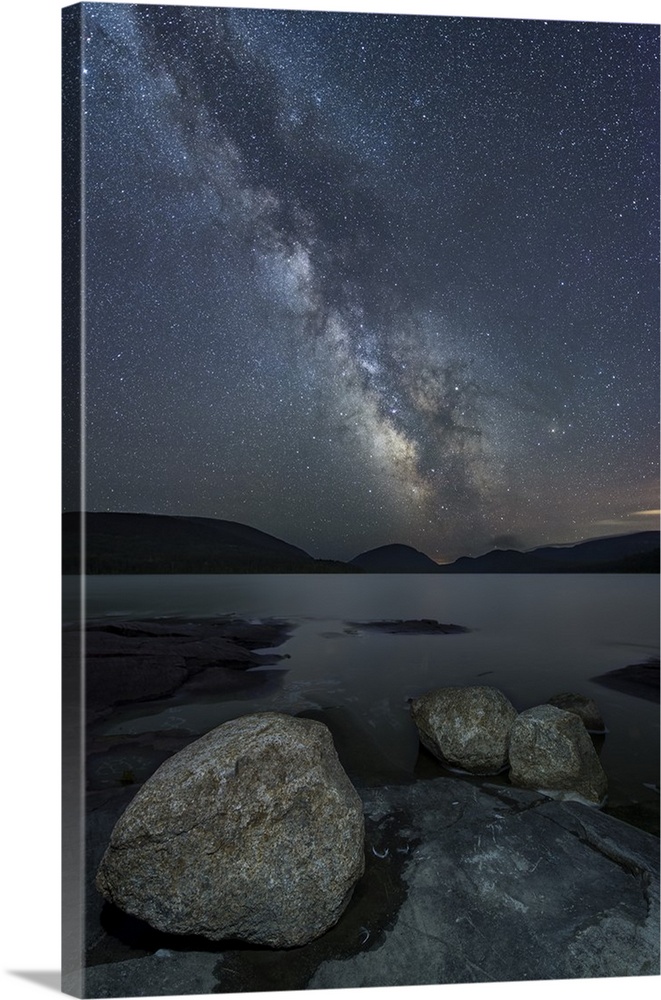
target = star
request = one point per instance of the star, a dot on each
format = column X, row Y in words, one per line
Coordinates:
column 331, row 257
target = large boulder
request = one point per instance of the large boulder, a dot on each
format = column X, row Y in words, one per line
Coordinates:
column 550, row 750
column 466, row 727
column 252, row 832
column 582, row 706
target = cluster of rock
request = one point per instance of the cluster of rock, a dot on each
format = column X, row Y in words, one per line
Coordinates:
column 255, row 832
column 478, row 730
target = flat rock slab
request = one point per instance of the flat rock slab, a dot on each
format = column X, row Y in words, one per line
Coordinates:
column 251, row 634
column 166, row 973
column 121, row 680
column 507, row 885
column 422, row 626
column 131, row 661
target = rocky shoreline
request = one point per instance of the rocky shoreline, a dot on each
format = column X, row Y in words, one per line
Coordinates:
column 465, row 880
column 129, row 661
column 462, row 885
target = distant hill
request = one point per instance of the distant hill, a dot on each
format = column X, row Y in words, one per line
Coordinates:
column 598, row 550
column 162, row 543
column 497, row 561
column 394, row 559
column 636, row 553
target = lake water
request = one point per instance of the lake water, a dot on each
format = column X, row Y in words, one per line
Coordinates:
column 531, row 636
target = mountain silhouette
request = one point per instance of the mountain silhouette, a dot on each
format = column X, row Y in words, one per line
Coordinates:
column 635, row 553
column 394, row 559
column 165, row 543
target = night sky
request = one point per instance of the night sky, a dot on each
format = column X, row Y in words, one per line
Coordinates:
column 356, row 279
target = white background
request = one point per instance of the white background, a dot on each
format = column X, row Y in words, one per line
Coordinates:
column 29, row 527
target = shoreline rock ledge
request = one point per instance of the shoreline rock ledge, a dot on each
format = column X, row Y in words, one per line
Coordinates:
column 506, row 885
column 253, row 832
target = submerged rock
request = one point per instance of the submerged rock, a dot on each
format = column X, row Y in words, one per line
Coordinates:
column 410, row 626
column 252, row 832
column 466, row 727
column 638, row 679
column 585, row 708
column 550, row 750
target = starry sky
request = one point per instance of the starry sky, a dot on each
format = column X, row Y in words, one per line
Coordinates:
column 356, row 279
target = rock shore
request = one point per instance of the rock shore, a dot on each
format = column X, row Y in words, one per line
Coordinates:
column 131, row 661
column 463, row 884
column 465, row 880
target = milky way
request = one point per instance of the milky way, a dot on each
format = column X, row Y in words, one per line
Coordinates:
column 356, row 279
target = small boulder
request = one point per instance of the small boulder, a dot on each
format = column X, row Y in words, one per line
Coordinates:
column 466, row 727
column 252, row 832
column 551, row 751
column 585, row 708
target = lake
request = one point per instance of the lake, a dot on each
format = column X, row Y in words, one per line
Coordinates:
column 531, row 636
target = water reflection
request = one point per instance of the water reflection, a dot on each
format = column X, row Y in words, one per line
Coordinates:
column 531, row 636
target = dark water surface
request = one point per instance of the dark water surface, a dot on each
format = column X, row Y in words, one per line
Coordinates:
column 531, row 636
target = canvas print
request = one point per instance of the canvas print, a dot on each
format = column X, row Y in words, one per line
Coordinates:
column 361, row 513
